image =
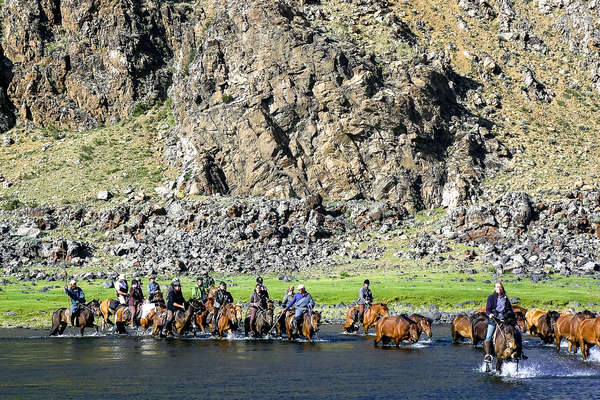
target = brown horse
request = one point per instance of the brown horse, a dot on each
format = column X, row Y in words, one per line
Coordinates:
column 469, row 327
column 181, row 319
column 262, row 322
column 211, row 292
column 370, row 318
column 149, row 311
column 203, row 316
column 229, row 317
column 542, row 323
column 397, row 328
column 311, row 323
column 566, row 327
column 588, row 335
column 62, row 317
column 506, row 345
column 109, row 307
column 281, row 323
column 423, row 324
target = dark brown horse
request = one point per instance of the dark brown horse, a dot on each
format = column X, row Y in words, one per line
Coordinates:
column 280, row 323
column 370, row 318
column 262, row 323
column 423, row 324
column 472, row 327
column 566, row 327
column 311, row 323
column 85, row 318
column 542, row 324
column 397, row 328
column 182, row 320
column 506, row 345
column 588, row 335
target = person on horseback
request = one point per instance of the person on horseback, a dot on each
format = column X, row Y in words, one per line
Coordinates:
column 199, row 291
column 153, row 288
column 175, row 301
column 302, row 301
column 208, row 281
column 258, row 301
column 222, row 297
column 136, row 297
column 122, row 288
column 289, row 295
column 259, row 281
column 77, row 297
column 365, row 299
column 498, row 307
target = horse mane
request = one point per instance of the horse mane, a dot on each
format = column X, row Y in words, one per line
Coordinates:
column 407, row 318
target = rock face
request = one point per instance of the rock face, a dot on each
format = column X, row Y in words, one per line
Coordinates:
column 266, row 104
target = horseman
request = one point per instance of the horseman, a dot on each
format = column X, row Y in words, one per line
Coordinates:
column 175, row 302
column 222, row 297
column 208, row 281
column 258, row 301
column 77, row 297
column 199, row 291
column 136, row 297
column 259, row 281
column 498, row 307
column 289, row 295
column 302, row 301
column 153, row 288
column 365, row 299
column 121, row 287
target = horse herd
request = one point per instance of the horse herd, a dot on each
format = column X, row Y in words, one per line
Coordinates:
column 580, row 329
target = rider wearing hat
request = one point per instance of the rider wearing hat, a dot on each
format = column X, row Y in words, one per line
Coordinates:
column 175, row 302
column 199, row 291
column 222, row 297
column 365, row 298
column 258, row 301
column 302, row 301
column 77, row 298
column 121, row 288
column 136, row 297
column 153, row 288
column 259, row 281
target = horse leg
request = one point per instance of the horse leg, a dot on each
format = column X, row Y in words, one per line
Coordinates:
column 557, row 340
column 63, row 326
column 499, row 366
column 397, row 342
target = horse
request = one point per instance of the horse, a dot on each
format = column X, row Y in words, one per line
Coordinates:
column 201, row 318
column 109, row 307
column 423, row 324
column 588, row 335
column 506, row 345
column 62, row 317
column 542, row 323
column 310, row 325
column 469, row 327
column 281, row 323
column 566, row 327
column 181, row 319
column 229, row 318
column 262, row 322
column 211, row 292
column 397, row 328
column 371, row 316
column 149, row 310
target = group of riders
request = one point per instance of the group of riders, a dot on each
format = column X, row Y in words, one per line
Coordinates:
column 499, row 309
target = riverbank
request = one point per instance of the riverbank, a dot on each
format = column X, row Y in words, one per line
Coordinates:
column 440, row 295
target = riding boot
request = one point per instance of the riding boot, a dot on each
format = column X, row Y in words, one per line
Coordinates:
column 487, row 351
column 166, row 328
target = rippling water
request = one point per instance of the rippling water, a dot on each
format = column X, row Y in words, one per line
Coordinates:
column 336, row 366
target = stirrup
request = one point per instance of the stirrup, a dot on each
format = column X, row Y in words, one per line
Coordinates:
column 487, row 358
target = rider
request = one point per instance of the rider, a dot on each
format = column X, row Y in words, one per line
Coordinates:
column 302, row 301
column 77, row 297
column 199, row 291
column 258, row 301
column 175, row 301
column 136, row 297
column 259, row 281
column 208, row 280
column 289, row 295
column 121, row 287
column 498, row 306
column 222, row 297
column 365, row 298
column 153, row 288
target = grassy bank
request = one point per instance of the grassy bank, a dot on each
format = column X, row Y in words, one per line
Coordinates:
column 445, row 290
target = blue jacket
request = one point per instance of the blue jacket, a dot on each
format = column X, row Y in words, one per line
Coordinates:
column 77, row 296
column 301, row 301
column 153, row 287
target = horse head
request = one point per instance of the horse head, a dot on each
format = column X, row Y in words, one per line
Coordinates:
column 426, row 326
column 589, row 314
column 158, row 297
column 510, row 342
column 521, row 321
column 551, row 318
column 315, row 320
column 413, row 330
column 238, row 312
column 382, row 310
column 94, row 306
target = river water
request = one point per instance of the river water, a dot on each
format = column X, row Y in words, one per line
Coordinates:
column 337, row 366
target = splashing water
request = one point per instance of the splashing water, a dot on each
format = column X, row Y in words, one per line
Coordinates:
column 529, row 370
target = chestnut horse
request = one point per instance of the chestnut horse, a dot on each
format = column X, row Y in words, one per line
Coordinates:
column 566, row 327
column 262, row 322
column 588, row 335
column 542, row 323
column 229, row 317
column 371, row 316
column 109, row 307
column 62, row 317
column 204, row 315
column 181, row 320
column 469, row 327
column 397, row 328
column 149, row 311
column 423, row 324
column 311, row 323
column 505, row 345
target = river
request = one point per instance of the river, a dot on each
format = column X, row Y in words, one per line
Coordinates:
column 337, row 366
